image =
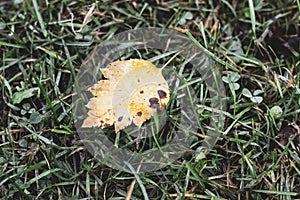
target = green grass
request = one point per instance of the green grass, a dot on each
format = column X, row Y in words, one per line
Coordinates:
column 42, row 155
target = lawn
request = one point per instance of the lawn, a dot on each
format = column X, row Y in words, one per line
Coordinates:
column 47, row 46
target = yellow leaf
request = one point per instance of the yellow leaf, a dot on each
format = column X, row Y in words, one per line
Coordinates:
column 133, row 91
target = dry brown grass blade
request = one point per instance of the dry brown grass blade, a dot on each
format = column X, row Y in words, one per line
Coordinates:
column 130, row 190
column 86, row 20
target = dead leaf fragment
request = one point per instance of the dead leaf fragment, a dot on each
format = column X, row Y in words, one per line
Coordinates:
column 289, row 132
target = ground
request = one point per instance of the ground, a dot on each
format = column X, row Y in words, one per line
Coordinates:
column 255, row 47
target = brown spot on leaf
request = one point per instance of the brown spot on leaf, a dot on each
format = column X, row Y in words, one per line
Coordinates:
column 120, row 118
column 142, row 91
column 106, row 125
column 154, row 102
column 162, row 94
